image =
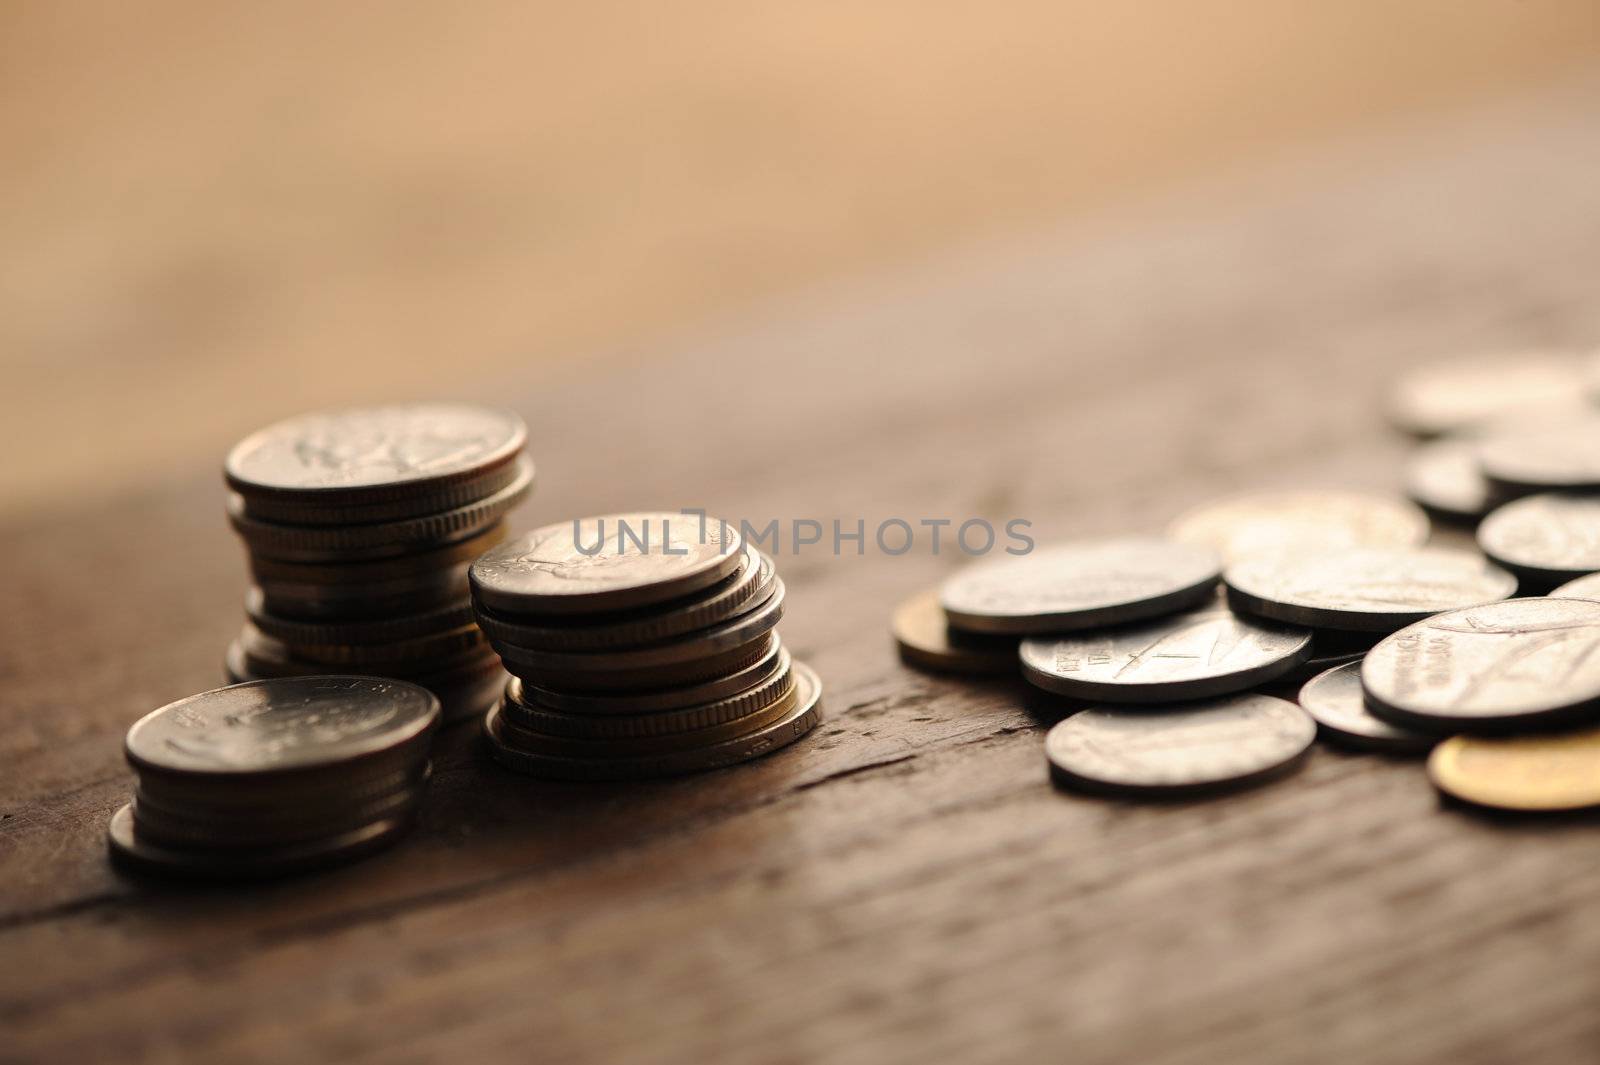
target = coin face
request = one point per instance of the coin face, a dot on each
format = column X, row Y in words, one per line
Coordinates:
column 372, row 451
column 1448, row 396
column 1334, row 699
column 1553, row 454
column 1216, row 744
column 1582, row 588
column 1363, row 589
column 1551, row 772
column 1444, row 477
column 1517, row 663
column 619, row 561
column 924, row 640
column 282, row 724
column 1545, row 538
column 1305, row 521
column 1080, row 585
column 1184, row 656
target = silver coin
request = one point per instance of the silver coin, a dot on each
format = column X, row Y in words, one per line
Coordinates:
column 771, row 660
column 1185, row 656
column 1337, row 703
column 1547, row 455
column 1582, row 588
column 292, row 724
column 1179, row 750
column 614, row 562
column 1545, row 539
column 1320, row 520
column 1080, row 585
column 1520, row 663
column 1364, row 589
column 374, row 453
column 1330, row 648
column 1449, row 396
column 1444, row 477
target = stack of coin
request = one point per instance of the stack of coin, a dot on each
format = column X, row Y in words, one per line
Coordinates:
column 360, row 526
column 640, row 645
column 275, row 776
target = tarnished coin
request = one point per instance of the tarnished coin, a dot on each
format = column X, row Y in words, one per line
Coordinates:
column 284, row 725
column 1303, row 521
column 1582, row 588
column 426, row 621
column 1545, row 539
column 1448, row 396
column 646, row 679
column 924, row 640
column 615, row 562
column 1521, row 663
column 1080, row 585
column 1185, row 656
column 1444, row 477
column 769, row 662
column 1547, row 455
column 1524, row 773
column 375, row 454
column 1174, row 751
column 1336, row 702
column 1363, row 589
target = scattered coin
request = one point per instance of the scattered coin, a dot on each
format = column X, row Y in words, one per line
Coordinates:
column 1458, row 394
column 1081, row 585
column 1337, row 703
column 1523, row 773
column 1547, row 455
column 1218, row 744
column 1582, row 588
column 1363, row 589
column 926, row 642
column 1545, row 539
column 1330, row 648
column 1444, row 478
column 1302, row 521
column 1194, row 655
column 1521, row 663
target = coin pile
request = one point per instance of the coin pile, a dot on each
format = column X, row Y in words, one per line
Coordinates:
column 360, row 526
column 274, row 776
column 640, row 645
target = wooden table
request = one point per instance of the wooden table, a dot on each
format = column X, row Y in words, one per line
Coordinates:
column 905, row 885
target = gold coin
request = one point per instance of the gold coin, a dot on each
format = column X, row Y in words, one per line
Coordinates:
column 1560, row 771
column 925, row 641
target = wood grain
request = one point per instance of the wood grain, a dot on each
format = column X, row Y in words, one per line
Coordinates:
column 905, row 886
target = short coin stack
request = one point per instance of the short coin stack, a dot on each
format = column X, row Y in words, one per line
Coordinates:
column 360, row 526
column 641, row 645
column 275, row 776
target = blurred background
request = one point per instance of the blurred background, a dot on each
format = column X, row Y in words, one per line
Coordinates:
column 214, row 214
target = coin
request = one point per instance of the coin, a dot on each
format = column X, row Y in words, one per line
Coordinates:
column 1363, row 589
column 1193, row 655
column 1523, row 773
column 1079, row 585
column 1335, row 700
column 1547, row 455
column 1463, row 392
column 374, row 454
column 1520, row 663
column 230, row 830
column 1213, row 745
column 1444, row 477
column 367, row 631
column 400, row 568
column 1330, row 648
column 770, row 660
column 1545, row 539
column 693, row 671
column 1582, row 588
column 615, row 562
column 803, row 716
column 924, row 639
column 1304, row 521
column 364, row 602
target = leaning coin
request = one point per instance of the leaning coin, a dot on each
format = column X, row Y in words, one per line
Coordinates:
column 1186, row 656
column 1444, row 478
column 1448, row 396
column 1545, row 539
column 924, row 640
column 1214, row 745
column 1298, row 520
column 139, row 855
column 1548, row 455
column 1335, row 700
column 1582, row 588
column 614, row 562
column 1523, row 773
column 1080, row 585
column 1521, row 663
column 1363, row 589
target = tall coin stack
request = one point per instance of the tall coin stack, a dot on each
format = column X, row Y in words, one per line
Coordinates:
column 640, row 645
column 360, row 526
